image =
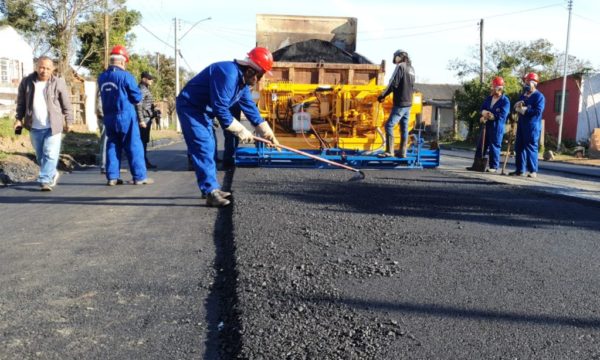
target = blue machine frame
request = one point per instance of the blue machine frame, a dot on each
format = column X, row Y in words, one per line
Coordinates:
column 262, row 156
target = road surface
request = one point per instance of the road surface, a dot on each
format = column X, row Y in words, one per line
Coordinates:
column 408, row 264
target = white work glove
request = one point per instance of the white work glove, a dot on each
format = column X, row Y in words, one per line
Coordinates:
column 521, row 110
column 237, row 129
column 488, row 115
column 518, row 104
column 264, row 131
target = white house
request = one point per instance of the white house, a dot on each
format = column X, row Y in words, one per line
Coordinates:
column 589, row 111
column 16, row 62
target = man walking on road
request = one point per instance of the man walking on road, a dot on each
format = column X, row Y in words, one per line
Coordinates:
column 120, row 94
column 401, row 85
column 214, row 92
column 530, row 108
column 43, row 105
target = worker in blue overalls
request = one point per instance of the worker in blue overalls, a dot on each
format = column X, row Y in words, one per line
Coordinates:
column 494, row 111
column 530, row 108
column 215, row 92
column 120, row 95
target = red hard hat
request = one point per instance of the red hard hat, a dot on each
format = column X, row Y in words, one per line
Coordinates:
column 498, row 81
column 120, row 50
column 262, row 57
column 531, row 77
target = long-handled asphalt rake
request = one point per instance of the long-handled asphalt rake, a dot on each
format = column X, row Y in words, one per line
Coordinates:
column 359, row 174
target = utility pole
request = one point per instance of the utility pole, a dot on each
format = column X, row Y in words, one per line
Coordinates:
column 176, row 24
column 481, row 54
column 177, row 54
column 564, row 84
column 106, row 33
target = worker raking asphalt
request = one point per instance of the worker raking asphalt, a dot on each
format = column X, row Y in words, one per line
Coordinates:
column 404, row 265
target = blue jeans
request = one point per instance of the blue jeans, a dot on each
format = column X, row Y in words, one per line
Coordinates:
column 47, row 150
column 102, row 154
column 398, row 115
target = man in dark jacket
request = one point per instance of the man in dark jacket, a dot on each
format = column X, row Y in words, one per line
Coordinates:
column 43, row 105
column 401, row 85
column 146, row 114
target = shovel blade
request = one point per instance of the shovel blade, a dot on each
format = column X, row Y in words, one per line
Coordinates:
column 480, row 164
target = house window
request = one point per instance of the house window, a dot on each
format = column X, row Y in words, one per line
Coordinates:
column 4, row 67
column 10, row 71
column 558, row 99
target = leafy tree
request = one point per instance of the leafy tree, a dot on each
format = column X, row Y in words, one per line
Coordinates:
column 22, row 15
column 511, row 60
column 519, row 58
column 162, row 68
column 53, row 22
column 61, row 17
column 91, row 34
column 470, row 98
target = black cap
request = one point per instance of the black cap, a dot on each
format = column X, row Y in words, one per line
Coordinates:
column 400, row 53
column 147, row 75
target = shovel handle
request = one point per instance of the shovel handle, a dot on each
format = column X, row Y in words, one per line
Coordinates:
column 300, row 152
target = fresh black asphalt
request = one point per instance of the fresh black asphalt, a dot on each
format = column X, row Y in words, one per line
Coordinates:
column 408, row 264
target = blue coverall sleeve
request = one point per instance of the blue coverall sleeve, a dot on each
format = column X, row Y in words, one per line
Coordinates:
column 249, row 108
column 536, row 107
column 486, row 104
column 503, row 108
column 133, row 90
column 222, row 89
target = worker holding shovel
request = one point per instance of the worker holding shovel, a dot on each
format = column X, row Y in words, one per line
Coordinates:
column 214, row 93
column 494, row 111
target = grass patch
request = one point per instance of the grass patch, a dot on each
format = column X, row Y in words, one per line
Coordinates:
column 164, row 134
column 82, row 146
column 7, row 130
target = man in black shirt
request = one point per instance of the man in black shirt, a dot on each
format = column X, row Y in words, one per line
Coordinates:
column 401, row 85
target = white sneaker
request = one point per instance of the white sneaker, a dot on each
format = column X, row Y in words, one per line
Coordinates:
column 491, row 170
column 55, row 179
column 532, row 175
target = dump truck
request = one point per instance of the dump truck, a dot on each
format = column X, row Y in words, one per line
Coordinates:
column 321, row 96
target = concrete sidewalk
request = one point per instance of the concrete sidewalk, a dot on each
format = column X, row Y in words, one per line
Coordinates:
column 576, row 181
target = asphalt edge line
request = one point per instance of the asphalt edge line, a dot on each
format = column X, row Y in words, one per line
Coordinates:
column 537, row 188
column 226, row 325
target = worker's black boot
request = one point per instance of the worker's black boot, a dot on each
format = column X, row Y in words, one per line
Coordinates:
column 389, row 146
column 403, row 148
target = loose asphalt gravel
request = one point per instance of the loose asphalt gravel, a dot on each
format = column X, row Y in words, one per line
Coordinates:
column 408, row 264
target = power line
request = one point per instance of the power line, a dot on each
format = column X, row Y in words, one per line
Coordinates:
column 523, row 11
column 224, row 37
column 185, row 61
column 586, row 18
column 421, row 26
column 157, row 38
column 465, row 20
column 419, row 34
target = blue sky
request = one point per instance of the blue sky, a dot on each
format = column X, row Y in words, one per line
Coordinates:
column 433, row 31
